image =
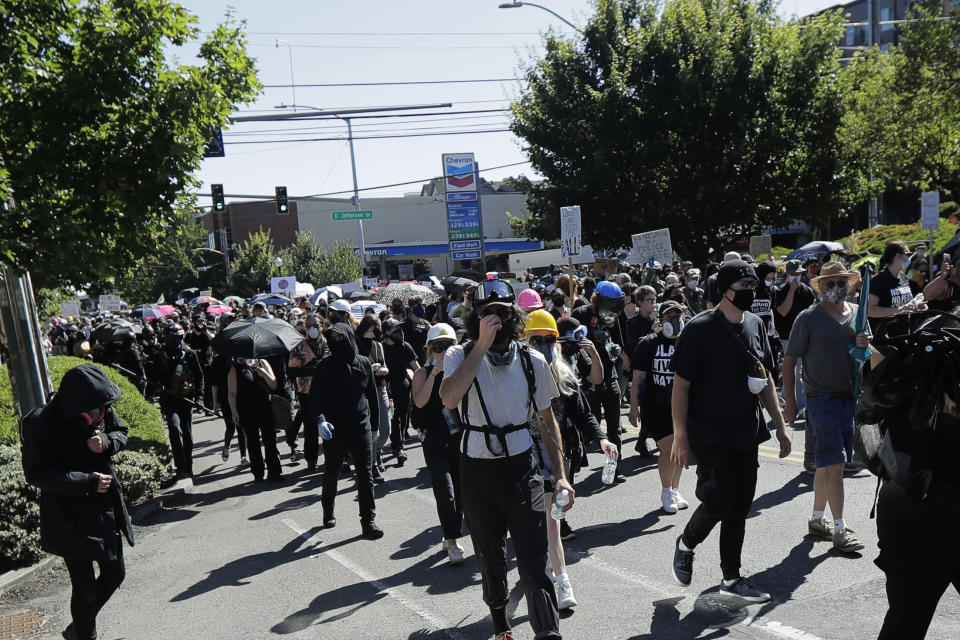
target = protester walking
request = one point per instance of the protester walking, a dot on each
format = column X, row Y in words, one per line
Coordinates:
column 249, row 385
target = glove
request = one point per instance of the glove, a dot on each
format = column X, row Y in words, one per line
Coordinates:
column 326, row 430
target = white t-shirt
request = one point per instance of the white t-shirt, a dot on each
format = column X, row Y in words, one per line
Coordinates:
column 507, row 399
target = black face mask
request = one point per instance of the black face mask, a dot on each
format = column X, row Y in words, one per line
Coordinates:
column 743, row 299
column 396, row 337
column 504, row 334
column 342, row 350
column 569, row 349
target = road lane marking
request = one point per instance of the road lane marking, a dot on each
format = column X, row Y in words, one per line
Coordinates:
column 434, row 620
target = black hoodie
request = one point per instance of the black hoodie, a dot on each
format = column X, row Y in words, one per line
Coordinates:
column 344, row 392
column 75, row 520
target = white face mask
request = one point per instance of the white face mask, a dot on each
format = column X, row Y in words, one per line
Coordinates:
column 692, row 283
column 313, row 333
column 794, row 278
column 769, row 283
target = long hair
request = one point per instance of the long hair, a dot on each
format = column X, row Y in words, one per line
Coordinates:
column 563, row 373
column 367, row 322
column 472, row 323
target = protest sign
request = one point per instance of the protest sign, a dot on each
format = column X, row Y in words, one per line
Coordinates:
column 761, row 245
column 571, row 236
column 652, row 245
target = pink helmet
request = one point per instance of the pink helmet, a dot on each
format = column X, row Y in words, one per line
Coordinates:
column 529, row 300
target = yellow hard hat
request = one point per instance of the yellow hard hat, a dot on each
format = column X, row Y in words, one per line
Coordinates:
column 540, row 320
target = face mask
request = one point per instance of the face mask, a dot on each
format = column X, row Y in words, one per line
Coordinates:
column 569, row 349
column 794, row 278
column 342, row 350
column 96, row 416
column 769, row 283
column 835, row 295
column 396, row 337
column 692, row 284
column 547, row 351
column 672, row 327
column 557, row 301
column 743, row 299
column 313, row 332
column 607, row 318
column 504, row 334
column 500, row 358
column 369, row 335
column 906, row 264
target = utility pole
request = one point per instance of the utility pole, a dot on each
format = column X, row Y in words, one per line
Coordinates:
column 356, row 200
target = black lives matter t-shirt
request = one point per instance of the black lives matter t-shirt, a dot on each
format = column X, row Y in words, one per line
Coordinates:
column 721, row 411
column 891, row 292
column 653, row 355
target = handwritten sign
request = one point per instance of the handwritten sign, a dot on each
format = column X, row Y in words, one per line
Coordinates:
column 109, row 303
column 652, row 245
column 761, row 245
column 606, row 266
column 69, row 309
column 571, row 236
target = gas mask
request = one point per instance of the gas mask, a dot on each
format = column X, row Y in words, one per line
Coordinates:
column 569, row 349
column 673, row 327
column 173, row 343
column 313, row 332
column 607, row 318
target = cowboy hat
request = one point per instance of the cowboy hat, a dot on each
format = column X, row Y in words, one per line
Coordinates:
column 834, row 269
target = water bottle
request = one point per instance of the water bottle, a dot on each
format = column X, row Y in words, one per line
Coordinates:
column 609, row 470
column 562, row 501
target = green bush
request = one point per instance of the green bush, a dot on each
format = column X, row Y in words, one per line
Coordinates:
column 874, row 240
column 141, row 468
column 19, row 504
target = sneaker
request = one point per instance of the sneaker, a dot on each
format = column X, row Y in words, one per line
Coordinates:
column 822, row 528
column 371, row 531
column 744, row 589
column 809, row 467
column 505, row 635
column 329, row 520
column 846, row 541
column 682, row 565
column 566, row 532
column 641, row 448
column 454, row 552
column 401, row 457
column 69, row 633
column 296, row 455
column 377, row 476
column 565, row 599
column 244, row 461
column 668, row 501
column 225, row 454
column 619, row 478
column 680, row 500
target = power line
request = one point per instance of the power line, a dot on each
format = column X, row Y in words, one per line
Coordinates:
column 458, row 47
column 393, row 33
column 366, row 125
column 341, row 138
column 385, row 84
column 394, row 115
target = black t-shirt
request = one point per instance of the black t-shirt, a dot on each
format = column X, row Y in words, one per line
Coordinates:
column 653, row 355
column 890, row 291
column 721, row 411
column 398, row 357
column 803, row 298
column 713, row 296
column 762, row 307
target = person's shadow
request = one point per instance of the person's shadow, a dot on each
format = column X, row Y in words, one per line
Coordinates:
column 710, row 611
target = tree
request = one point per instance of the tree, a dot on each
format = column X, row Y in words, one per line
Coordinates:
column 304, row 257
column 714, row 118
column 251, row 271
column 100, row 132
column 339, row 264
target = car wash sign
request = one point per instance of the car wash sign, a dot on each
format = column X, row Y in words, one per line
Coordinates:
column 464, row 224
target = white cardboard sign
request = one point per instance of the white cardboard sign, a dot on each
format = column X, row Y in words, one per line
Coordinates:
column 652, row 245
column 571, row 235
column 283, row 284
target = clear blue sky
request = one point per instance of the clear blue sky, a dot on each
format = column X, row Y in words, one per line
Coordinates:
column 344, row 41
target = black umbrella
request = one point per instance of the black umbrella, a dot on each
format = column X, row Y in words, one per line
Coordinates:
column 113, row 331
column 257, row 338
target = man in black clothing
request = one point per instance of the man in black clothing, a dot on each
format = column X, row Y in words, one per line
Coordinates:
column 789, row 300
column 67, row 450
column 416, row 327
column 343, row 405
column 400, row 356
column 199, row 340
column 722, row 375
column 128, row 362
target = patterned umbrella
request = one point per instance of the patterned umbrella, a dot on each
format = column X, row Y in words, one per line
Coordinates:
column 404, row 291
column 219, row 309
column 204, row 300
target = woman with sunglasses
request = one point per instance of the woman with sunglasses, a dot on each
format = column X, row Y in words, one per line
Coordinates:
column 441, row 439
column 578, row 426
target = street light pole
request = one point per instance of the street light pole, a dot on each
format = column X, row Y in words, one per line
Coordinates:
column 356, row 199
column 516, row 4
column 293, row 85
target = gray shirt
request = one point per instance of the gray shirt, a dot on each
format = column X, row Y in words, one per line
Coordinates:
column 824, row 346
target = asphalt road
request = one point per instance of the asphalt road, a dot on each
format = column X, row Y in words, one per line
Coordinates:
column 238, row 560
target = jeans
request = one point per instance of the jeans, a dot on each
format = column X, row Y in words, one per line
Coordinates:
column 506, row 495
column 830, row 420
column 444, row 466
column 179, row 417
column 726, row 484
column 917, row 573
column 355, row 440
column 89, row 594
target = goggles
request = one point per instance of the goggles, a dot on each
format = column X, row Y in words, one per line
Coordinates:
column 493, row 291
column 536, row 341
column 576, row 335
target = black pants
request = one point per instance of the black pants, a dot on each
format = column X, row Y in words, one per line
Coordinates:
column 179, row 417
column 605, row 404
column 917, row 573
column 444, row 466
column 311, row 434
column 726, row 483
column 355, row 440
column 506, row 495
column 260, row 429
column 230, row 427
column 90, row 594
column 401, row 417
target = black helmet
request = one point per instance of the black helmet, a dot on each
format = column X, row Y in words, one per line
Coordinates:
column 173, row 329
column 148, row 331
column 493, row 291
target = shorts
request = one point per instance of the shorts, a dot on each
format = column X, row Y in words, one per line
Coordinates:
column 657, row 422
column 831, row 420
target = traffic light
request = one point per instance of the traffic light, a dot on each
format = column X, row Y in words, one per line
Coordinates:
column 282, row 206
column 217, row 191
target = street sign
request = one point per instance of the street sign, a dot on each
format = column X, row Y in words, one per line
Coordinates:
column 363, row 214
column 571, row 236
column 930, row 210
column 465, row 255
column 463, row 245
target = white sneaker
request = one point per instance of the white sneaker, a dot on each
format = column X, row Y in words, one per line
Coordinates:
column 244, row 461
column 679, row 499
column 668, row 501
column 565, row 599
column 454, row 552
column 225, row 454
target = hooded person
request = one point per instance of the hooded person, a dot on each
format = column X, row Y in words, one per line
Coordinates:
column 400, row 356
column 68, row 447
column 300, row 367
column 762, row 307
column 343, row 404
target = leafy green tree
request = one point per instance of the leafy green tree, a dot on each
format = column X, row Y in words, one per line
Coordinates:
column 250, row 273
column 304, row 257
column 714, row 118
column 339, row 264
column 101, row 132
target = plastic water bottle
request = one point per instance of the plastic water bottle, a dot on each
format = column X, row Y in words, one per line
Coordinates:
column 609, row 470
column 562, row 501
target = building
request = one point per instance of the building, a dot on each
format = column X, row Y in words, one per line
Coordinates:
column 858, row 33
column 403, row 229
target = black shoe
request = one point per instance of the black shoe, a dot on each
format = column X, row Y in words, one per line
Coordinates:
column 275, row 477
column 401, row 458
column 372, row 532
column 258, row 478
column 619, row 478
column 311, row 466
column 69, row 633
column 345, row 469
column 329, row 522
column 377, row 477
column 566, row 533
column 682, row 565
column 641, row 448
column 743, row 588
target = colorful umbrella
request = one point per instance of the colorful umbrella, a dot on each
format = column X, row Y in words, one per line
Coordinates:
column 203, row 299
column 219, row 309
column 859, row 354
column 231, row 299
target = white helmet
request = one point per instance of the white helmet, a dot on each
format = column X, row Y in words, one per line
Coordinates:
column 441, row 330
column 340, row 305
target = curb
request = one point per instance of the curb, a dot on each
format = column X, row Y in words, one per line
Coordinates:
column 12, row 578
